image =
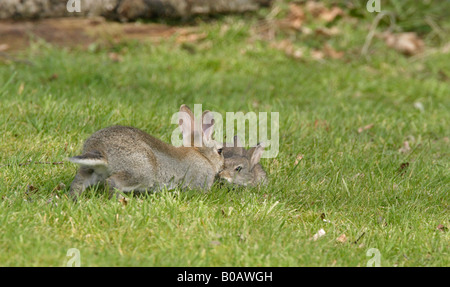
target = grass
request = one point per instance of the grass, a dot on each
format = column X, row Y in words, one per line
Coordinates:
column 360, row 182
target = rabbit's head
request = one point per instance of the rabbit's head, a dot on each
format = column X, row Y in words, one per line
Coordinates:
column 198, row 135
column 243, row 168
column 233, row 149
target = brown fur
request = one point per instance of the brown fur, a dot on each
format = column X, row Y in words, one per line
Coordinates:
column 242, row 166
column 128, row 159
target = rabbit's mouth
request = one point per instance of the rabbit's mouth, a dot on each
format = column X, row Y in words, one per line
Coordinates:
column 223, row 183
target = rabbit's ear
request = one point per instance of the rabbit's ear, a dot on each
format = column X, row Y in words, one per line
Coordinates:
column 186, row 123
column 255, row 153
column 207, row 125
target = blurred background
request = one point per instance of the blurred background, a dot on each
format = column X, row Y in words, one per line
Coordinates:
column 301, row 29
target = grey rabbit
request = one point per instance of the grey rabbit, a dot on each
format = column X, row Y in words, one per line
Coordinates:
column 242, row 166
column 128, row 159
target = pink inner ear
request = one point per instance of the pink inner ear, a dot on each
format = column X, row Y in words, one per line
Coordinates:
column 257, row 153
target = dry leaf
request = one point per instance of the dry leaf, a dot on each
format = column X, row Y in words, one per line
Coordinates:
column 367, row 127
column 315, row 8
column 60, row 186
column 317, row 55
column 342, row 238
column 294, row 19
column 403, row 167
column 124, row 201
column 405, row 148
column 296, row 16
column 3, row 47
column 318, row 10
column 298, row 159
column 406, row 43
column 53, row 77
column 289, row 49
column 329, row 15
column 319, row 234
column 192, row 37
column 306, row 31
column 32, row 188
column 442, row 228
column 115, row 57
column 332, row 53
column 321, row 124
column 327, row 31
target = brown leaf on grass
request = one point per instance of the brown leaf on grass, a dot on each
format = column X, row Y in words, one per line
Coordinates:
column 115, row 57
column 298, row 158
column 4, row 47
column 296, row 16
column 124, row 201
column 342, row 238
column 60, row 186
column 315, row 8
column 333, row 31
column 442, row 228
column 321, row 124
column 319, row 10
column 330, row 14
column 53, row 77
column 406, row 43
column 319, row 234
column 190, row 37
column 367, row 127
column 403, row 167
column 31, row 188
column 332, row 53
column 405, row 148
column 317, row 55
column 294, row 19
column 288, row 48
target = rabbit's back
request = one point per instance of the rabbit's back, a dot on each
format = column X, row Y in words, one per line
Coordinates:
column 151, row 161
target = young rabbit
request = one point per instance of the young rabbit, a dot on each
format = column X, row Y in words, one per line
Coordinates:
column 242, row 166
column 128, row 159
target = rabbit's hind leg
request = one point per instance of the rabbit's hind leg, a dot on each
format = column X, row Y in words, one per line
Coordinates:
column 122, row 181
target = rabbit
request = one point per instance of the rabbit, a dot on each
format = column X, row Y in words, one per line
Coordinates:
column 128, row 159
column 242, row 166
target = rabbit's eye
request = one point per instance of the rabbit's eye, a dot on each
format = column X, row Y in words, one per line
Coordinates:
column 219, row 151
column 238, row 169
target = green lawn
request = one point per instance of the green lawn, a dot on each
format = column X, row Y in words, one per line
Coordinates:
column 361, row 183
